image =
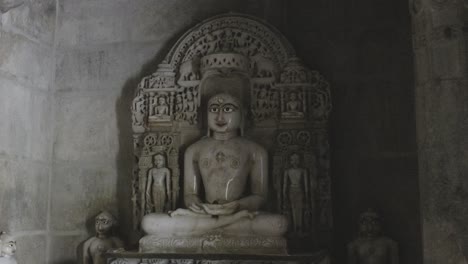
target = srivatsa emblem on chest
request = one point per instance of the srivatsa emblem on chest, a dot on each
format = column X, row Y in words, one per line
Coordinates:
column 221, row 159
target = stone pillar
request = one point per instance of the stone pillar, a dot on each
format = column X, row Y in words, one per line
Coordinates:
column 440, row 50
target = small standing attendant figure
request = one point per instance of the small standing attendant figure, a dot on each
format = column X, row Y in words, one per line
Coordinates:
column 8, row 249
column 295, row 190
column 95, row 247
column 371, row 247
column 158, row 186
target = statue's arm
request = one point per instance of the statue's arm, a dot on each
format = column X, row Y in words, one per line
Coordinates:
column 305, row 176
column 285, row 183
column 149, row 182
column 191, row 178
column 258, row 181
column 86, row 256
column 168, row 184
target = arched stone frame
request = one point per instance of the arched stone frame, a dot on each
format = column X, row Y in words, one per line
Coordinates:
column 168, row 101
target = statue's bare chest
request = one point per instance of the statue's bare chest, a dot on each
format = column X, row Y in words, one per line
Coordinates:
column 228, row 158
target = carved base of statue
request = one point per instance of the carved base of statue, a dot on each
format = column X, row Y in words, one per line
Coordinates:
column 240, row 233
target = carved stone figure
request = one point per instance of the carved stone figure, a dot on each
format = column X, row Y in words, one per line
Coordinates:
column 161, row 108
column 293, row 104
column 6, row 5
column 371, row 247
column 139, row 112
column 95, row 247
column 296, row 190
column 8, row 249
column 158, row 189
column 222, row 165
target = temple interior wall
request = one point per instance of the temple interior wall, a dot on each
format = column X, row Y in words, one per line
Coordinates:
column 364, row 48
column 68, row 70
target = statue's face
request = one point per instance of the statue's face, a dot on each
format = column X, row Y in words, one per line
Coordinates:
column 295, row 160
column 369, row 226
column 159, row 161
column 9, row 248
column 162, row 101
column 224, row 113
column 292, row 96
column 104, row 223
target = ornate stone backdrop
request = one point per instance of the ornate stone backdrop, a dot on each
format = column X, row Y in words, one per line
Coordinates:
column 289, row 106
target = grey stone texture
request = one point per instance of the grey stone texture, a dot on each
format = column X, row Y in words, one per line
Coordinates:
column 442, row 125
column 68, row 70
column 364, row 49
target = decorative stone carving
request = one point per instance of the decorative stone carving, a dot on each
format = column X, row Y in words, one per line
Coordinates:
column 95, row 247
column 6, row 5
column 156, row 187
column 8, row 249
column 256, row 63
column 371, row 246
column 296, row 193
column 220, row 165
column 303, row 193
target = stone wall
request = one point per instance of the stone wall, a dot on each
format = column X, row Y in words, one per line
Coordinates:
column 364, row 49
column 439, row 42
column 104, row 48
column 26, row 132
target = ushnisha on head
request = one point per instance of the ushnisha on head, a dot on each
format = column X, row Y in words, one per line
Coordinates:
column 225, row 114
column 104, row 223
column 8, row 245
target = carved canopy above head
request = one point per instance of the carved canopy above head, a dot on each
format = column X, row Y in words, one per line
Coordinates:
column 231, row 43
column 236, row 33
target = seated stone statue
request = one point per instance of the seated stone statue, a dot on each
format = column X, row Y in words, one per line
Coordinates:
column 8, row 249
column 95, row 247
column 371, row 247
column 225, row 184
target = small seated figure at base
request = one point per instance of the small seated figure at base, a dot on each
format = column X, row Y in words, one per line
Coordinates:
column 371, row 247
column 233, row 172
column 95, row 247
column 8, row 249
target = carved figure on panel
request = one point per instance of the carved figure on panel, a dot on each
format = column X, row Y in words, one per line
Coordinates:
column 296, row 192
column 8, row 249
column 293, row 105
column 95, row 247
column 139, row 112
column 221, row 165
column 371, row 247
column 158, row 189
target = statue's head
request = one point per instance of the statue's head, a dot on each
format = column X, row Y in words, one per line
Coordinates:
column 8, row 245
column 162, row 100
column 224, row 113
column 104, row 223
column 369, row 224
column 293, row 96
column 295, row 160
column 159, row 160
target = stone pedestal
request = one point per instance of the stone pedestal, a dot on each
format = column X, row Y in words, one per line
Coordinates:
column 214, row 243
column 143, row 258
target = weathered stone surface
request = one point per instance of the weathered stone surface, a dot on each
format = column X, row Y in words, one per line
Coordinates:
column 26, row 117
column 86, row 127
column 116, row 20
column 23, row 194
column 32, row 249
column 79, row 192
column 102, row 68
column 36, row 19
column 65, row 248
column 26, row 61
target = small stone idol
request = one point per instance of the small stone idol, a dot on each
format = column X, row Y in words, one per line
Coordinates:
column 8, row 249
column 95, row 247
column 371, row 247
